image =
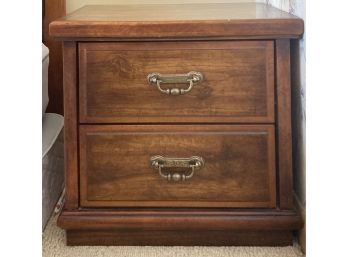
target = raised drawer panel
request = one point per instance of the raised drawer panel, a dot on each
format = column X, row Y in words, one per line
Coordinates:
column 238, row 171
column 237, row 85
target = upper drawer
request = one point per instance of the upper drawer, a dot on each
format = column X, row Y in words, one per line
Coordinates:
column 237, row 83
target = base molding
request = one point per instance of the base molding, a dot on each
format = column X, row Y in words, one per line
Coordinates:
column 179, row 238
column 180, row 227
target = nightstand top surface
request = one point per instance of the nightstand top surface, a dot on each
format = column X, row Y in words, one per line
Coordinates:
column 103, row 20
column 177, row 12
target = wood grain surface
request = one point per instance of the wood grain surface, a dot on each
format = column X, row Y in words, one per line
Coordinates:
column 238, row 119
column 52, row 10
column 70, row 125
column 239, row 166
column 241, row 20
column 174, row 226
column 238, row 83
column 181, row 238
column 284, row 137
column 165, row 219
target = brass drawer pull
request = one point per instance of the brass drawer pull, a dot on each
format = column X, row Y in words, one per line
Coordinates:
column 193, row 163
column 193, row 77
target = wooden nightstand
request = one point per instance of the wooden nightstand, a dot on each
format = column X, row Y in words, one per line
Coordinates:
column 178, row 125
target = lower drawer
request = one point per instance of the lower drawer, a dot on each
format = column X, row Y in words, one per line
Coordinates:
column 177, row 166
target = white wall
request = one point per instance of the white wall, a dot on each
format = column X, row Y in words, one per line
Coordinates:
column 72, row 5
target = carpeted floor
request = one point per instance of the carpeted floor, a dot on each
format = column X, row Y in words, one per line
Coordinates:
column 54, row 246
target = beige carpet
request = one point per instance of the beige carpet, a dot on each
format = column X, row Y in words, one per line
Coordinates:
column 54, row 246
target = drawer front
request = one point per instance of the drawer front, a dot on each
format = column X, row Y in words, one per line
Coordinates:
column 234, row 166
column 237, row 83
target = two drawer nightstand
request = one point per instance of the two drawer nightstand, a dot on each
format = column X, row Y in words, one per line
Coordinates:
column 178, row 125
